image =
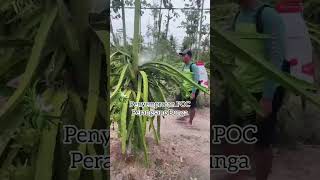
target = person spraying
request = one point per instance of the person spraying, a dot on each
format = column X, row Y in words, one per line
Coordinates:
column 188, row 91
column 255, row 18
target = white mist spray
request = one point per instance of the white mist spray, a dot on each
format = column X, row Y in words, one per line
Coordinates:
column 146, row 57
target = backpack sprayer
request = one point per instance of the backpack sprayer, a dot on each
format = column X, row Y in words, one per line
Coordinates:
column 203, row 75
column 298, row 43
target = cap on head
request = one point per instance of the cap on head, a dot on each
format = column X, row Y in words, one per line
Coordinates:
column 186, row 51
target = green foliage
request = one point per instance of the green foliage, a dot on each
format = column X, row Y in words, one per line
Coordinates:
column 228, row 46
column 151, row 84
column 311, row 11
column 60, row 56
column 166, row 48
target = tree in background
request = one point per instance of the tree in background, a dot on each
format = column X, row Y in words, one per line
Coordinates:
column 173, row 43
column 191, row 22
column 116, row 6
column 162, row 42
column 195, row 26
column 168, row 4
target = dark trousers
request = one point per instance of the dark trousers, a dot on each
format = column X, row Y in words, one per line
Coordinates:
column 266, row 127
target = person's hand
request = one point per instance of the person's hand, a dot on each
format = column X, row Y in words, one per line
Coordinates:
column 266, row 105
column 193, row 95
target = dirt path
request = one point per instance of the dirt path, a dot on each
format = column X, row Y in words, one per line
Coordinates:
column 193, row 144
column 297, row 164
column 301, row 163
column 182, row 153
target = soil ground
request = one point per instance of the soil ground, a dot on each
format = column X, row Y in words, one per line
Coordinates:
column 183, row 153
column 300, row 163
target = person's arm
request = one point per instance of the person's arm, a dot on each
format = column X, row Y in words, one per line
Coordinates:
column 275, row 48
column 195, row 71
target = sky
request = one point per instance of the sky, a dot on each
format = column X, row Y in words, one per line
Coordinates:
column 147, row 19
